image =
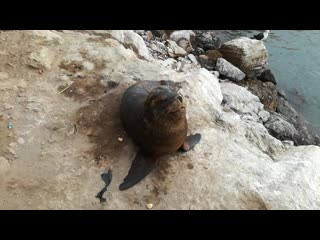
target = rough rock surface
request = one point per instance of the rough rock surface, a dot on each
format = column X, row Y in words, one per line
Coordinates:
column 266, row 91
column 229, row 71
column 207, row 40
column 243, row 102
column 280, row 128
column 250, row 55
column 68, row 118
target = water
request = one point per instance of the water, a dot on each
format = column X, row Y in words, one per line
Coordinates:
column 295, row 62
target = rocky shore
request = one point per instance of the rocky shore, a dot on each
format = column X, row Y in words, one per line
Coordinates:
column 241, row 60
column 59, row 123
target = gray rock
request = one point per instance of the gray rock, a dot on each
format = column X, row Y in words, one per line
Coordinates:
column 282, row 94
column 207, row 40
column 250, row 55
column 280, row 128
column 228, row 70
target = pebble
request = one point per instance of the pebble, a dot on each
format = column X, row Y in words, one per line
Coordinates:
column 149, row 205
column 7, row 106
column 13, row 144
column 21, row 141
column 120, row 139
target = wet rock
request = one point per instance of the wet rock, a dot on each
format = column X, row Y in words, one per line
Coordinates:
column 229, row 71
column 250, row 55
column 282, row 94
column 267, row 76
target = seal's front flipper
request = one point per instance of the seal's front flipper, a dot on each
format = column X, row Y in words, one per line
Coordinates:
column 140, row 168
column 190, row 142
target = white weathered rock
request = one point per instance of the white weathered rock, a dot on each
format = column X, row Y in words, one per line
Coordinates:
column 41, row 58
column 174, row 50
column 228, row 70
column 193, row 58
column 46, row 36
column 132, row 40
column 250, row 55
column 243, row 102
column 184, row 39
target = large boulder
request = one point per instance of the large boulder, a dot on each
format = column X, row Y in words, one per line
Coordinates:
column 250, row 55
column 207, row 40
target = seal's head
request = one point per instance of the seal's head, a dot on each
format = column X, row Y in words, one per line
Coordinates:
column 164, row 104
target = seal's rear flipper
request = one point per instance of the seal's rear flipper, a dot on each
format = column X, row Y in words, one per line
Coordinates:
column 140, row 168
column 190, row 142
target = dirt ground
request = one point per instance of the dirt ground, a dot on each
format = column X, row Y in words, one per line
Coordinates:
column 59, row 127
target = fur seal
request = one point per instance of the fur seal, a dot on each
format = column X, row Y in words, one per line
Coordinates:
column 154, row 115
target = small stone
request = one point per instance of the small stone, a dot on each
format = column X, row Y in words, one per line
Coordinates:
column 13, row 144
column 120, row 139
column 21, row 141
column 149, row 205
column 193, row 58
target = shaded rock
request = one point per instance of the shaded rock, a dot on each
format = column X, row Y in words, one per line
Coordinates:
column 41, row 58
column 306, row 136
column 207, row 40
column 159, row 47
column 250, row 55
column 281, row 129
column 205, row 63
column 267, row 76
column 174, row 50
column 266, row 91
column 282, row 94
column 213, row 55
column 229, row 71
